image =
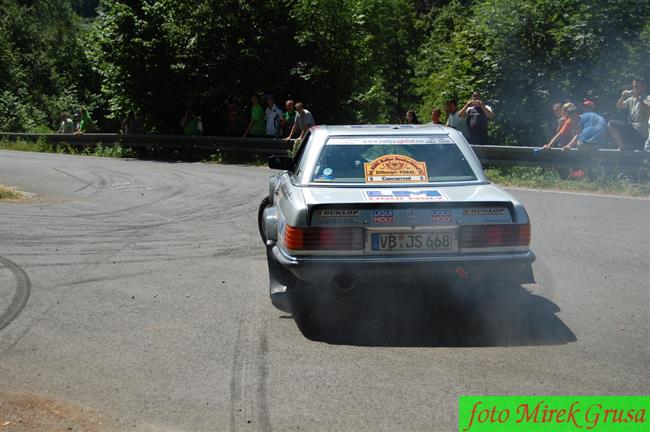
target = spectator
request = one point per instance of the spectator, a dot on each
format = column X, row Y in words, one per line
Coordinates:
column 191, row 123
column 304, row 121
column 566, row 131
column 412, row 117
column 289, row 118
column 86, row 124
column 558, row 112
column 67, row 125
column 632, row 135
column 256, row 127
column 129, row 124
column 236, row 122
column 647, row 142
column 591, row 99
column 588, row 106
column 591, row 130
column 435, row 116
column 273, row 117
column 453, row 120
column 477, row 114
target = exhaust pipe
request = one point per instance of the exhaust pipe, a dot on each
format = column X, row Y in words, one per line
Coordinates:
column 344, row 282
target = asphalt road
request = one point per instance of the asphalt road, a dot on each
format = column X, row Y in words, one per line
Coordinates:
column 138, row 291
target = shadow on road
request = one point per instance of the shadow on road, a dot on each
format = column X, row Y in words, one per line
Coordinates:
column 418, row 317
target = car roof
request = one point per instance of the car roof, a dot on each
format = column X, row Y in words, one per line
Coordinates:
column 388, row 129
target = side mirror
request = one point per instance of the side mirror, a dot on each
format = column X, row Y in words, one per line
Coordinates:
column 280, row 162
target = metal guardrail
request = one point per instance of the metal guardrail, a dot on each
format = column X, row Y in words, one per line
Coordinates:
column 488, row 155
column 169, row 142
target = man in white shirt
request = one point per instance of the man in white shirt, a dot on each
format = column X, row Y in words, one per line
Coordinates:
column 453, row 120
column 273, row 116
column 634, row 134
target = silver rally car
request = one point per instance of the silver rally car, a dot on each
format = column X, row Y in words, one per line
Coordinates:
column 388, row 204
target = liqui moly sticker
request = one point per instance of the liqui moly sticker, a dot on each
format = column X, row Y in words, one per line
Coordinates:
column 404, row 195
column 382, row 217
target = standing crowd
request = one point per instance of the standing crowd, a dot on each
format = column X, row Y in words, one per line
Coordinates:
column 471, row 119
column 577, row 125
column 79, row 123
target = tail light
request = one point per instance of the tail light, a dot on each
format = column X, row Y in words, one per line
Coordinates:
column 319, row 238
column 476, row 236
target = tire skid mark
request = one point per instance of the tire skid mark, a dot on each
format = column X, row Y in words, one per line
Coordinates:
column 21, row 293
column 86, row 183
column 248, row 392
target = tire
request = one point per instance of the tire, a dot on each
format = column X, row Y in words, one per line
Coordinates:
column 260, row 218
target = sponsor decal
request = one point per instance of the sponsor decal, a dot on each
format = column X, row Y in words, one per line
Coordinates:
column 399, row 195
column 484, row 211
column 329, row 213
column 337, row 216
column 441, row 216
column 395, row 169
column 434, row 139
column 382, row 217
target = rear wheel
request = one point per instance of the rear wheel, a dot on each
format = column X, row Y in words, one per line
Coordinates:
column 260, row 218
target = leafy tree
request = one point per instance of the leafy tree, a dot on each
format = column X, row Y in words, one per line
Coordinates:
column 525, row 55
column 42, row 64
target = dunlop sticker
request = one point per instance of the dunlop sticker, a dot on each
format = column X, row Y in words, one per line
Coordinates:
column 395, row 169
column 484, row 211
column 322, row 214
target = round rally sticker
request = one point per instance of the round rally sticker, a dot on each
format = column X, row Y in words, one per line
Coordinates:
column 327, row 171
column 394, row 168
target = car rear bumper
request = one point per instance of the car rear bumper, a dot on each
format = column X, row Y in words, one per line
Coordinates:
column 391, row 269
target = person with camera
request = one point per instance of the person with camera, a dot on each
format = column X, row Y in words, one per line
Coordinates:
column 191, row 123
column 477, row 114
column 633, row 134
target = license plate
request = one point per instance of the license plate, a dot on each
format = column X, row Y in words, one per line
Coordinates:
column 415, row 241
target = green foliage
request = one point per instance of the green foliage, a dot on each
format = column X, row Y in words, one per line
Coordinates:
column 43, row 71
column 525, row 55
column 363, row 61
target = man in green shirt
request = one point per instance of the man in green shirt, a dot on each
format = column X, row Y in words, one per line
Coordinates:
column 85, row 122
column 257, row 125
column 191, row 123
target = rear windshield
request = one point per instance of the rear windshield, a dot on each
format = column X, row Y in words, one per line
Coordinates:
column 391, row 160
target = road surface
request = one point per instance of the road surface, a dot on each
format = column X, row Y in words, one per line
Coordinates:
column 134, row 297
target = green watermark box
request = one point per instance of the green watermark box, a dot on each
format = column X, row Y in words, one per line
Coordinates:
column 554, row 413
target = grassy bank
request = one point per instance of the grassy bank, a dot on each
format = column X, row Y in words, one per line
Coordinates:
column 10, row 194
column 64, row 148
column 592, row 180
